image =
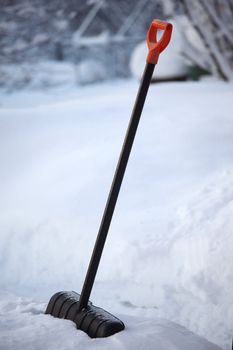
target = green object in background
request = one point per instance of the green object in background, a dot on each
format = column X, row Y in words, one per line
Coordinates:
column 195, row 73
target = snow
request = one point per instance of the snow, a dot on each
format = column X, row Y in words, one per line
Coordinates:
column 41, row 75
column 90, row 71
column 100, row 39
column 51, row 74
column 40, row 38
column 168, row 254
column 191, row 34
column 26, row 327
column 61, row 24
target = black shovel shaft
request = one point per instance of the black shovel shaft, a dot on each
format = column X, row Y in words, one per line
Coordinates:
column 116, row 185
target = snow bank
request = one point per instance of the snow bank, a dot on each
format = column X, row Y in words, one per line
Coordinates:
column 51, row 74
column 168, row 253
column 192, row 273
column 90, row 71
column 26, row 327
column 41, row 75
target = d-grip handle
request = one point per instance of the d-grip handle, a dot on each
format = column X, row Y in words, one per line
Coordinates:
column 156, row 47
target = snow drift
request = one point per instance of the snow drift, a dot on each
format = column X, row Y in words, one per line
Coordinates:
column 169, row 249
column 26, row 327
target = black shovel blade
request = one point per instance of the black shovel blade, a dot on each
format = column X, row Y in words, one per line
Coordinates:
column 93, row 320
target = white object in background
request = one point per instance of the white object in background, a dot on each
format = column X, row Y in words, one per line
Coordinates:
column 90, row 71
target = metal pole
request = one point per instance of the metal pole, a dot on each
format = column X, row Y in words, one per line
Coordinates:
column 116, row 185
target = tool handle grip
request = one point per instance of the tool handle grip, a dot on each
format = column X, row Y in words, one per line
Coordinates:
column 157, row 46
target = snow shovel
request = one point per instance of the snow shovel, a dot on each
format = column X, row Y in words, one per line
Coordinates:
column 91, row 319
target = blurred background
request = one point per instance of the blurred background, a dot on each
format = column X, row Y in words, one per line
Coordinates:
column 69, row 73
column 56, row 43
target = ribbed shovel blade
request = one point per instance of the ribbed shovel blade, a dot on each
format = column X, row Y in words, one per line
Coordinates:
column 93, row 320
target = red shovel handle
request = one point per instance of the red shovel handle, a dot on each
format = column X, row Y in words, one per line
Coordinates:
column 156, row 47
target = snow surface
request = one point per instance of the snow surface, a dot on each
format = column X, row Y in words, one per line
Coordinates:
column 168, row 254
column 24, row 326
